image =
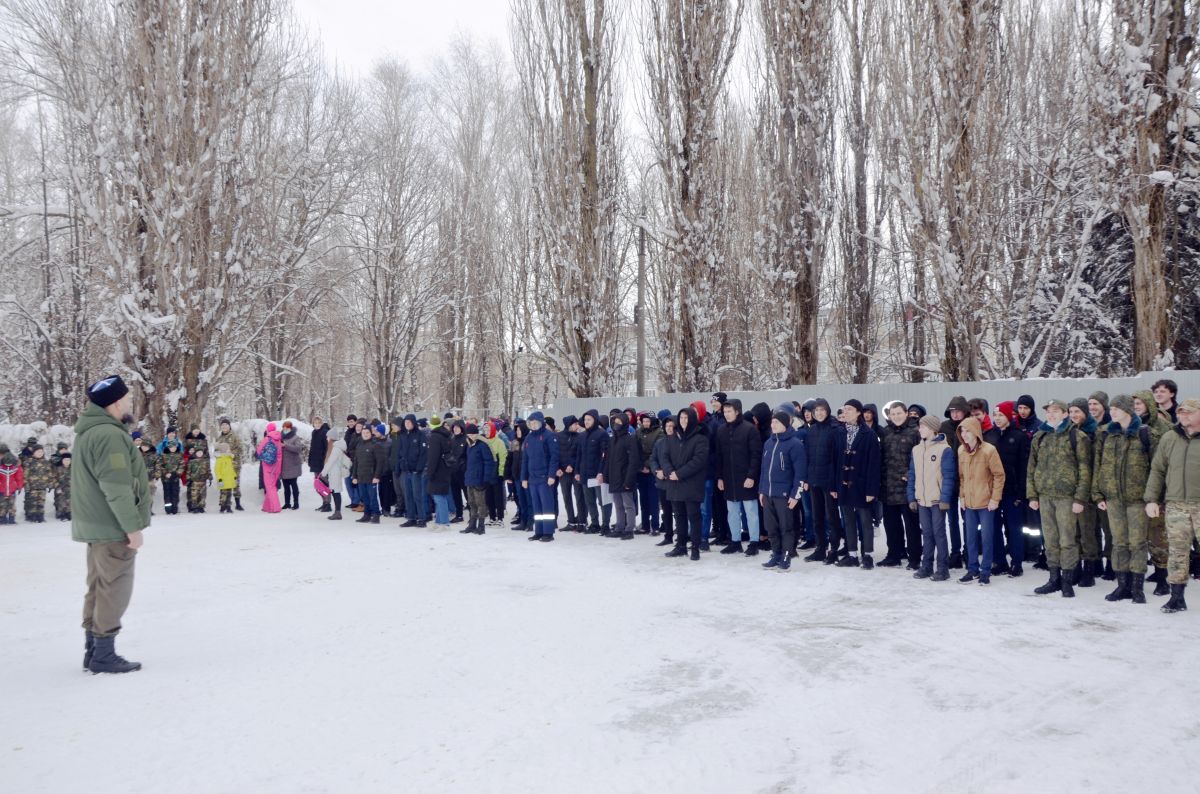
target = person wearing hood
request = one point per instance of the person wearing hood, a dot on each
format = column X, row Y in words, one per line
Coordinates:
column 496, row 500
column 1089, row 523
column 714, row 517
column 412, row 461
column 458, row 447
column 916, row 412
column 318, row 448
column 572, row 489
column 781, row 475
column 589, row 468
column 621, row 468
column 480, row 473
column 539, row 464
column 112, row 509
column 901, row 525
column 857, row 484
column 334, row 472
column 270, row 455
column 658, row 467
column 12, row 481
column 958, row 410
column 1059, row 483
column 686, row 468
column 981, row 485
column 231, row 440
column 822, row 475
column 1156, row 532
column 648, row 434
column 226, row 477
column 932, row 484
column 1175, row 482
column 171, row 470
column 1124, row 452
column 523, row 521
column 438, row 470
column 870, row 416
column 1013, row 448
column 739, row 464
column 290, row 469
column 806, row 414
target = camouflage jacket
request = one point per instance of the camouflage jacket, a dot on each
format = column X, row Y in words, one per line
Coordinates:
column 235, row 447
column 150, row 457
column 1060, row 465
column 62, row 479
column 898, row 444
column 38, row 474
column 1122, row 462
column 198, row 470
column 191, row 442
column 171, row 463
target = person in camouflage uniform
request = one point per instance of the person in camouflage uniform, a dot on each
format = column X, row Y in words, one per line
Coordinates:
column 27, row 450
column 1123, row 453
column 12, row 480
column 1059, row 483
column 150, row 457
column 38, row 480
column 199, row 475
column 170, row 465
column 62, row 486
column 195, row 440
column 1156, row 533
column 59, row 449
column 1175, row 480
column 229, row 438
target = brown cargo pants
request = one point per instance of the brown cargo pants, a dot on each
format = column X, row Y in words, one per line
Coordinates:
column 110, row 586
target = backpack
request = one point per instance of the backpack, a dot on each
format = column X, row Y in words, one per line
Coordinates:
column 269, row 453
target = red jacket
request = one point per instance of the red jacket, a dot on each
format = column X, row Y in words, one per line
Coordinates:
column 12, row 478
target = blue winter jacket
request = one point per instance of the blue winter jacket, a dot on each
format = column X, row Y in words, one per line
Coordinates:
column 539, row 455
column 822, row 454
column 412, row 457
column 858, row 467
column 481, row 465
column 784, row 465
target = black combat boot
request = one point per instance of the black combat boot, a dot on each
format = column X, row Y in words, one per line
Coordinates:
column 1137, row 590
column 237, row 503
column 1122, row 592
column 680, row 550
column 1068, row 582
column 105, row 659
column 667, row 540
column 1084, row 574
column 1160, row 582
column 1176, row 603
column 1052, row 586
column 1109, row 574
column 336, row 515
column 733, row 548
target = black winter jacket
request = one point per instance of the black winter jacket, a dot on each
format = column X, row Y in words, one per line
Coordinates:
column 687, row 458
column 739, row 457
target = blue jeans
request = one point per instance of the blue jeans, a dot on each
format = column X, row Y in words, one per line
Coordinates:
column 706, row 509
column 441, row 503
column 748, row 512
column 933, row 537
column 648, row 501
column 978, row 523
column 542, row 497
column 810, row 532
column 352, row 492
column 415, row 502
column 369, row 493
column 1011, row 522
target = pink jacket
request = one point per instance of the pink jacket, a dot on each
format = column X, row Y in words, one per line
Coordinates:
column 273, row 435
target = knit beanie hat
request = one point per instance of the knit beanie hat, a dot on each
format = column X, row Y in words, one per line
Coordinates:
column 1009, row 409
column 1123, row 402
column 435, row 421
column 380, row 429
column 854, row 404
column 783, row 418
column 720, row 397
column 1100, row 397
column 931, row 421
column 1080, row 403
column 471, row 429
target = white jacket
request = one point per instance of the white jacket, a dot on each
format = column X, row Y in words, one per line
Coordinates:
column 337, row 466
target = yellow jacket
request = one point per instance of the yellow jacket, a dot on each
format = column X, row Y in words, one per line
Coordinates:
column 226, row 474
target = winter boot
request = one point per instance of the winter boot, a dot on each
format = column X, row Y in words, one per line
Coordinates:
column 546, row 538
column 89, row 644
column 336, row 515
column 408, row 523
column 1176, row 604
column 831, row 558
column 1122, row 591
column 849, row 561
column 105, row 659
column 374, row 517
column 1085, row 575
column 1137, row 590
column 666, row 540
column 534, row 536
column 364, row 519
column 470, row 530
column 956, row 560
column 1160, row 582
column 751, row 549
column 1000, row 568
column 695, row 554
column 1015, row 571
column 889, row 561
column 237, row 504
column 818, row 555
column 1068, row 582
column 867, row 562
column 457, row 519
column 1041, row 564
column 704, row 545
column 1109, row 574
column 325, row 508
column 774, row 561
column 626, row 536
column 1052, row 586
column 678, row 551
column 808, row 544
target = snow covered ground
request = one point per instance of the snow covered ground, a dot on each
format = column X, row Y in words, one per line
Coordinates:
column 287, row 653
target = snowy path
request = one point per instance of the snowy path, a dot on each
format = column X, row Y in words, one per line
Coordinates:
column 288, row 654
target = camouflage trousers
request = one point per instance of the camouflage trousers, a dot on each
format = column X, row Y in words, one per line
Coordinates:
column 35, row 501
column 1159, row 548
column 62, row 501
column 8, row 506
column 227, row 497
column 1089, row 533
column 197, row 494
column 1129, row 527
column 1183, row 526
column 1060, row 531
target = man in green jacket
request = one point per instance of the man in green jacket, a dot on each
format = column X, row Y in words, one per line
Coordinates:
column 110, row 491
column 1059, row 483
column 1175, row 475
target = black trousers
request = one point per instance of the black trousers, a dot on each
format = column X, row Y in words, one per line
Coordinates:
column 780, row 521
column 291, row 492
column 572, row 499
column 825, row 511
column 668, row 514
column 687, row 515
column 457, row 486
column 903, row 530
column 855, row 519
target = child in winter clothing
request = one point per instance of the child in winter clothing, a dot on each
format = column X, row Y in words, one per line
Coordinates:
column 199, row 475
column 334, row 473
column 932, row 483
column 150, row 457
column 226, row 477
column 12, row 480
column 171, row 468
column 981, row 486
column 783, row 470
column 480, row 474
column 62, row 487
column 38, row 480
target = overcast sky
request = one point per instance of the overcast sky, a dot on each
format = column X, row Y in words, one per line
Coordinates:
column 357, row 32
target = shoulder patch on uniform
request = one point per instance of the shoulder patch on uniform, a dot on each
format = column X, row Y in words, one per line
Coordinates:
column 118, row 460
